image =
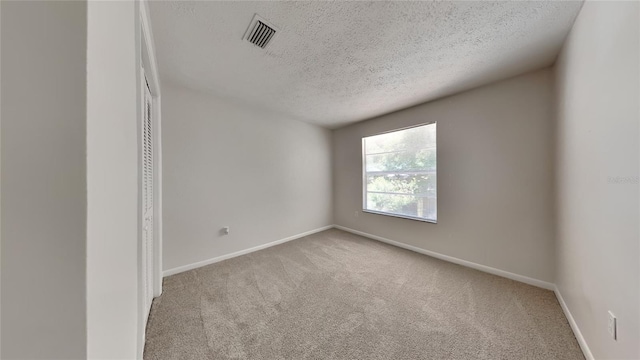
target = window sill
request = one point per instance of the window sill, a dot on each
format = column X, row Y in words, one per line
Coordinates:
column 400, row 216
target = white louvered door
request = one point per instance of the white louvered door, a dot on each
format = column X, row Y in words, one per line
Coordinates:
column 147, row 197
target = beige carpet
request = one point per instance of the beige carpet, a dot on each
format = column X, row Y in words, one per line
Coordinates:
column 334, row 295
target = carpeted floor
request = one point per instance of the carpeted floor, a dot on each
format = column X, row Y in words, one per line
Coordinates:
column 335, row 295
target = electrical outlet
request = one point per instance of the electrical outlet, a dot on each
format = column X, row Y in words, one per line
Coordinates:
column 356, row 213
column 613, row 326
column 225, row 230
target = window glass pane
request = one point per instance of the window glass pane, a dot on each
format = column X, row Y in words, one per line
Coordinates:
column 406, row 160
column 400, row 173
column 413, row 138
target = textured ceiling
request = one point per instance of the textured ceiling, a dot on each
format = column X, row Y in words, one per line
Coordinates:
column 334, row 63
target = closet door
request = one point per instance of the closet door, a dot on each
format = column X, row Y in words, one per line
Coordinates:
column 147, row 197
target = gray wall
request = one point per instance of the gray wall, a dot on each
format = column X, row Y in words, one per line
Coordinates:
column 598, row 85
column 495, row 181
column 225, row 164
column 43, row 179
column 112, row 180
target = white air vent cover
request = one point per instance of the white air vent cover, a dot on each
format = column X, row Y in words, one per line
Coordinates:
column 260, row 32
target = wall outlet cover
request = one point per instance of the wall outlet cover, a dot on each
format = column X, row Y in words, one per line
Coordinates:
column 612, row 326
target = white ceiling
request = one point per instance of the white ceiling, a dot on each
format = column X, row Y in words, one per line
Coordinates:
column 334, row 63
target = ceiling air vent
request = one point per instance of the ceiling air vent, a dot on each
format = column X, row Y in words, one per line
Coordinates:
column 260, row 32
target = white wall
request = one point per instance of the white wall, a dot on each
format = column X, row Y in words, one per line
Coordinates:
column 265, row 176
column 112, row 179
column 495, row 182
column 598, row 82
column 43, row 180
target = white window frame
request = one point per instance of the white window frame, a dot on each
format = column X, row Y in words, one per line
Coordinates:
column 364, row 177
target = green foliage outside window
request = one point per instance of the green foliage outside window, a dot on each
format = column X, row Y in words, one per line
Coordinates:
column 401, row 172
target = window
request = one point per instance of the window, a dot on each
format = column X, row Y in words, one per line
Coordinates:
column 400, row 173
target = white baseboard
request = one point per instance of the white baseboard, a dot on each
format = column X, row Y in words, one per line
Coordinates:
column 484, row 268
column 574, row 326
column 198, row 264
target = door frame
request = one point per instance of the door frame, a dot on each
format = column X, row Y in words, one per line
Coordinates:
column 147, row 60
column 151, row 71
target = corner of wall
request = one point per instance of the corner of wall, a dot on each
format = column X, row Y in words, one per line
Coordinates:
column 333, row 176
